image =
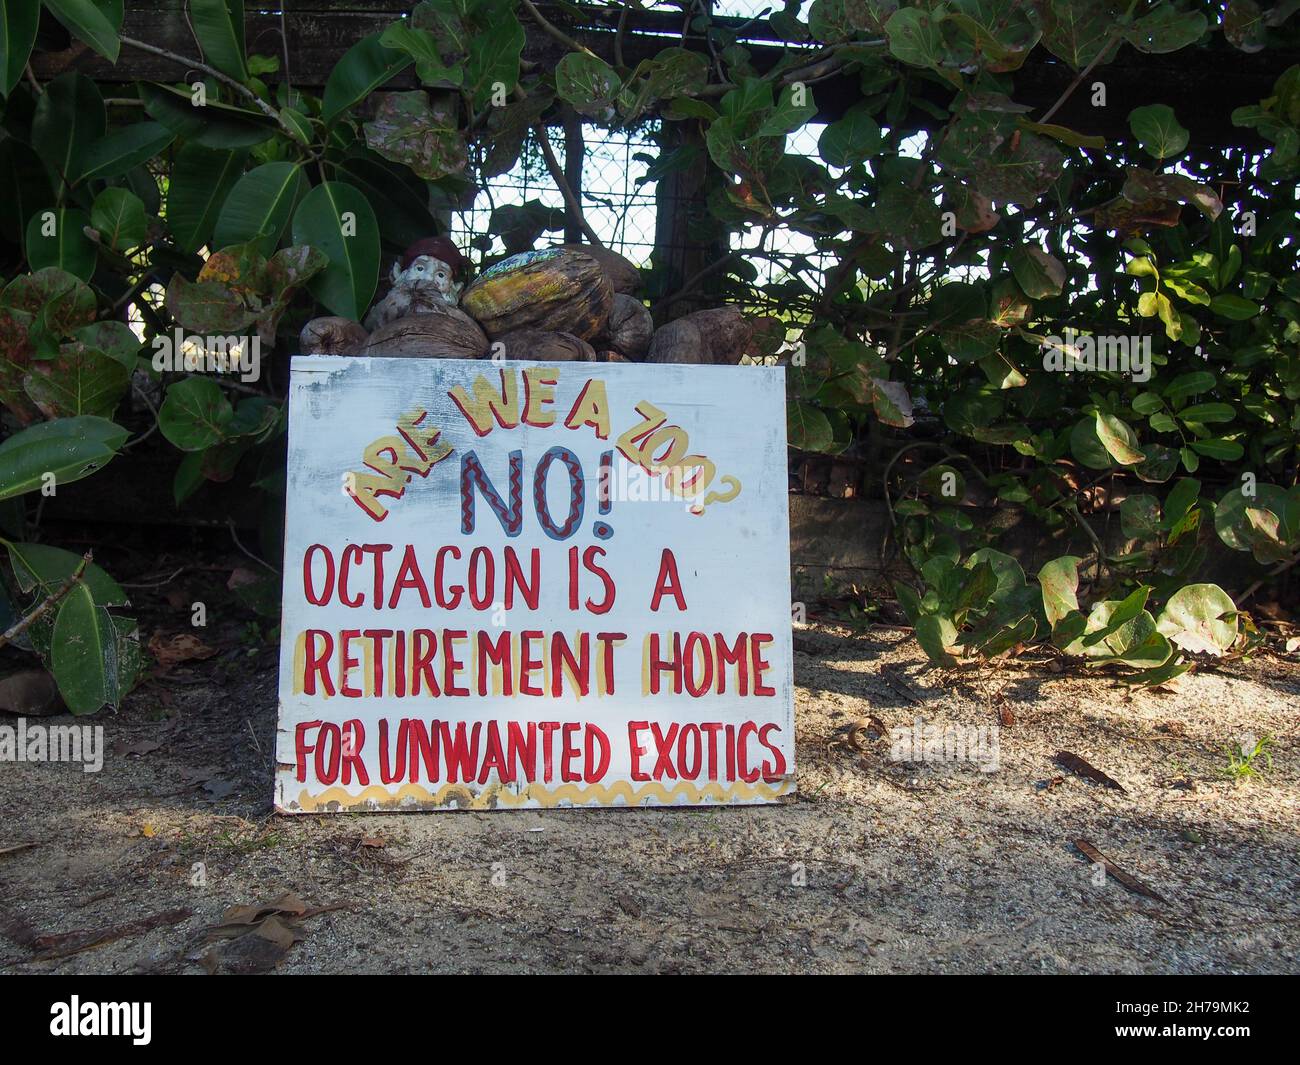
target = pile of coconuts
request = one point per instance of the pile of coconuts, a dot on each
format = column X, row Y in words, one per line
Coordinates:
column 574, row 302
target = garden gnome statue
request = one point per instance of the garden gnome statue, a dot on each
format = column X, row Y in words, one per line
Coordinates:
column 431, row 271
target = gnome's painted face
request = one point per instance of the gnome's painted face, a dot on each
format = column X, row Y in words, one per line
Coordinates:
column 425, row 269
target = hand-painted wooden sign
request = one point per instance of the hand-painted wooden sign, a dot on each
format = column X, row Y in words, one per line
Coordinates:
column 517, row 584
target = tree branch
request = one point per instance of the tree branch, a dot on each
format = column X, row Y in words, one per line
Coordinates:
column 1069, row 89
column 225, row 79
column 556, row 32
column 557, row 175
column 22, row 624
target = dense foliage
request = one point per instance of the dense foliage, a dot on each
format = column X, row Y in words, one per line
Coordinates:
column 971, row 266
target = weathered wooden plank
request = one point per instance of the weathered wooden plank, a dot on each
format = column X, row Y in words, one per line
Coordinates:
column 319, row 32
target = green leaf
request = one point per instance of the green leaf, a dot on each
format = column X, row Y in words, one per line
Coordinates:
column 788, row 116
column 1064, row 134
column 1181, row 498
column 829, row 21
column 78, row 380
column 89, row 22
column 1118, row 439
column 1139, row 517
column 201, row 180
column 852, row 139
column 259, row 206
column 494, row 60
column 213, row 125
column 1161, row 463
column 1208, row 413
column 1189, row 384
column 977, row 588
column 219, row 27
column 1078, row 31
column 364, row 67
column 401, row 204
column 423, row 47
column 936, row 635
column 58, row 238
column 1021, row 173
column 1142, row 186
column 808, row 428
column 69, row 118
column 18, row 22
column 1059, row 580
column 426, row 138
column 25, row 188
column 1246, row 26
column 908, row 216
column 1153, row 678
column 915, row 37
column 1005, row 637
column 1157, row 130
column 1147, row 403
column 336, row 218
column 115, row 339
column 1219, row 448
column 119, row 218
column 1200, row 618
column 943, row 482
column 124, row 149
column 83, row 653
column 1086, row 445
column 1040, row 275
column 195, row 414
column 207, row 307
column 64, row 301
column 588, row 83
column 1166, row 29
column 43, row 569
column 1232, row 523
column 69, row 448
column 1226, row 305
column 1109, row 618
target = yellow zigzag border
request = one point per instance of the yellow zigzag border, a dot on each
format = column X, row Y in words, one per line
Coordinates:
column 416, row 796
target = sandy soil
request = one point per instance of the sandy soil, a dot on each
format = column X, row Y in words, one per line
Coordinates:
column 880, row 866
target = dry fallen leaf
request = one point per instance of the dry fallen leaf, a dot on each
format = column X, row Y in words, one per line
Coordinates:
column 140, row 747
column 66, row 944
column 256, row 938
column 178, row 647
column 860, row 732
column 1097, row 858
column 148, row 831
column 1081, row 767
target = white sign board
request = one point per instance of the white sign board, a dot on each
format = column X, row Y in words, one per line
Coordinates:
column 517, row 584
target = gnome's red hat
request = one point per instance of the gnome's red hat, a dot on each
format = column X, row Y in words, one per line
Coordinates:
column 439, row 248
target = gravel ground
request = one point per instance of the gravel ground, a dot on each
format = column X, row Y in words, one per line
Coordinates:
column 881, row 865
